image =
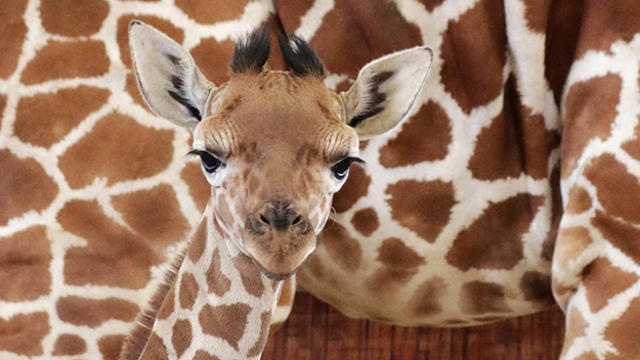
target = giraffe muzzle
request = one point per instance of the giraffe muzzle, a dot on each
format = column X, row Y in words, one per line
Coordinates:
column 278, row 216
column 279, row 239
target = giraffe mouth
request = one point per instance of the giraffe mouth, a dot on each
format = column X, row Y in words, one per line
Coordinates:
column 274, row 276
column 277, row 277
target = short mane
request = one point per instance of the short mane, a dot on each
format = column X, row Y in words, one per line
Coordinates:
column 299, row 56
column 252, row 52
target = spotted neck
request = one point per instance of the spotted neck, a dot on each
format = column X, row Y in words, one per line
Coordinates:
column 217, row 305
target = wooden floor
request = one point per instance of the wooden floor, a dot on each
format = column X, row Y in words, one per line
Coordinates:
column 318, row 332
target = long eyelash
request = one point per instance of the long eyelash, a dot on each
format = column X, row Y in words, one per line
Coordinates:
column 194, row 153
column 354, row 159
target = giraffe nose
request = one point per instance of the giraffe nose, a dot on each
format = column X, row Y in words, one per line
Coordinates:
column 280, row 216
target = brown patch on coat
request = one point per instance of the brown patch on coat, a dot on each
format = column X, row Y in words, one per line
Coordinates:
column 203, row 355
column 400, row 264
column 342, row 248
column 217, row 282
column 69, row 344
column 571, row 243
column 24, row 259
column 563, row 30
column 603, row 281
column 473, row 55
column 155, row 349
column 537, row 144
column 22, row 334
column 357, row 186
column 66, row 60
column 516, row 141
column 579, row 200
column 620, row 234
column 46, row 118
column 430, row 5
column 110, row 346
column 494, row 240
column 536, row 13
column 394, row 253
column 198, row 242
column 632, row 146
column 117, row 148
column 181, row 336
column 590, row 109
column 199, row 188
column 556, row 214
column 188, row 291
column 14, row 31
column 122, row 35
column 426, row 300
column 225, row 321
column 479, row 297
column 213, row 57
column 73, row 18
column 24, row 186
column 536, row 287
column 250, row 274
column 168, row 305
column 609, row 176
column 113, row 255
column 365, row 221
column 424, row 137
column 345, row 37
column 622, row 332
column 204, row 12
column 603, row 24
column 153, row 214
column 90, row 312
column 422, row 206
column 258, row 347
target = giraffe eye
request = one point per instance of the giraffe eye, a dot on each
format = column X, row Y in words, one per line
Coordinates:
column 209, row 162
column 341, row 168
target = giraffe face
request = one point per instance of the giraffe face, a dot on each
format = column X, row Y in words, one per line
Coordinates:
column 275, row 149
column 274, row 145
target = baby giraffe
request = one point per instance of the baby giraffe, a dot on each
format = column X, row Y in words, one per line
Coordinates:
column 275, row 146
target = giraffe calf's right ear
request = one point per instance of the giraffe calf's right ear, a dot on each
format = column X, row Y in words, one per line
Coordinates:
column 167, row 76
column 386, row 90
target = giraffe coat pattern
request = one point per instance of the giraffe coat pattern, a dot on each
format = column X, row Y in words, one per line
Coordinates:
column 516, row 171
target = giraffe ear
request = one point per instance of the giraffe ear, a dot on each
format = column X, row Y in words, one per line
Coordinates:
column 167, row 76
column 385, row 91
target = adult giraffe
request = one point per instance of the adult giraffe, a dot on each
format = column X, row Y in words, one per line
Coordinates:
column 540, row 68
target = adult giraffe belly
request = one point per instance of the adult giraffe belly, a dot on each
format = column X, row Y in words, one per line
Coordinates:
column 434, row 245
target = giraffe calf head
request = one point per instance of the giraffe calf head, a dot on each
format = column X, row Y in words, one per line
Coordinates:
column 275, row 146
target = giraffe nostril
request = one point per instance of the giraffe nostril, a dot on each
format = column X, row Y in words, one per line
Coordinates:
column 297, row 220
column 264, row 220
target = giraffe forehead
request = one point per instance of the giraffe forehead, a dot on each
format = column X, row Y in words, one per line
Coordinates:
column 277, row 112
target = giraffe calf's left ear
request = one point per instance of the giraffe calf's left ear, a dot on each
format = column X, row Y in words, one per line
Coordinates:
column 386, row 90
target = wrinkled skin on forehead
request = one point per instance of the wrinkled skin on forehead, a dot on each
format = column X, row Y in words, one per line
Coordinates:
column 278, row 136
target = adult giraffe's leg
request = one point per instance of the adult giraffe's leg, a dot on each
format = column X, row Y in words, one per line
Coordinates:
column 596, row 265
